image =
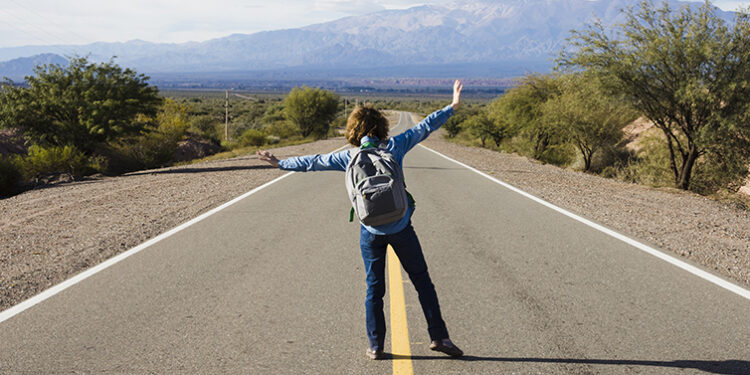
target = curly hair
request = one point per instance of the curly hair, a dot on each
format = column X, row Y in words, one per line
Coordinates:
column 366, row 120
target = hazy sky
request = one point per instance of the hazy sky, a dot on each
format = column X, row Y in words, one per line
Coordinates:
column 34, row 22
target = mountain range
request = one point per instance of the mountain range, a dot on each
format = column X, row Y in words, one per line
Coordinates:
column 479, row 38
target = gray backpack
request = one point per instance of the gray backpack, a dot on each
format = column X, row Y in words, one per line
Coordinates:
column 375, row 185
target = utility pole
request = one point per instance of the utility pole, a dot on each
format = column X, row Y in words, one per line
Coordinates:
column 226, row 117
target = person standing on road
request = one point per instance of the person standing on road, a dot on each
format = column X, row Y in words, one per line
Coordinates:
column 367, row 127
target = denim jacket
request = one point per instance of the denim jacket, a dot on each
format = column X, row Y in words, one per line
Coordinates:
column 398, row 146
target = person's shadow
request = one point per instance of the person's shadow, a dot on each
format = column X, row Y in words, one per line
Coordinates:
column 200, row 169
column 728, row 367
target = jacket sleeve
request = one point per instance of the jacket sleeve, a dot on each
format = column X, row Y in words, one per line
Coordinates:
column 410, row 138
column 336, row 161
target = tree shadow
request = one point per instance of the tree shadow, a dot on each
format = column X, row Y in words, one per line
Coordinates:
column 727, row 367
column 202, row 170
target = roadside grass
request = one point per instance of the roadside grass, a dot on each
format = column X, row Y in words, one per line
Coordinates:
column 463, row 138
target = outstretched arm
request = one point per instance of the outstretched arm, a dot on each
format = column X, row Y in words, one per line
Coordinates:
column 410, row 138
column 268, row 158
column 457, row 88
column 336, row 161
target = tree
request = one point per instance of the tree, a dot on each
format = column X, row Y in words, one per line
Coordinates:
column 207, row 126
column 483, row 128
column 81, row 104
column 520, row 111
column 156, row 144
column 456, row 123
column 173, row 118
column 312, row 110
column 686, row 71
column 590, row 118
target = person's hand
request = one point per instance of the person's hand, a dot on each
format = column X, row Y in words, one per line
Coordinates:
column 457, row 87
column 268, row 158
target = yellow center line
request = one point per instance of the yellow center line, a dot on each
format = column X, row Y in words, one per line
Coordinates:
column 399, row 329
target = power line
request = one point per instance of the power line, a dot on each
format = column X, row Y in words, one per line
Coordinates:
column 245, row 97
column 40, row 15
column 32, row 24
column 37, row 36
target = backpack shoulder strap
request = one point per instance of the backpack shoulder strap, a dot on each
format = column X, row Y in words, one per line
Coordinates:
column 352, row 153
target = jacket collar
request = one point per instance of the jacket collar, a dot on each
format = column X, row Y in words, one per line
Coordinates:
column 367, row 139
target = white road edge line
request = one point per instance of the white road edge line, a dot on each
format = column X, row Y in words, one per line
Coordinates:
column 19, row 308
column 15, row 310
column 734, row 288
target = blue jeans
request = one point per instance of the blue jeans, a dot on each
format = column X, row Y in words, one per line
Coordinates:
column 406, row 246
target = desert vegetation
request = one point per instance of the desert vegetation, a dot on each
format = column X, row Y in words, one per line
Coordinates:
column 87, row 118
column 684, row 73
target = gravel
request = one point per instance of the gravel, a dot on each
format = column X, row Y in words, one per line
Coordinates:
column 50, row 234
column 700, row 230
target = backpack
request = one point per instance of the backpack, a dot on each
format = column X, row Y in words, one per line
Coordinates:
column 375, row 184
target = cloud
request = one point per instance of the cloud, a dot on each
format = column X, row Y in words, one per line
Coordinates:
column 26, row 22
column 731, row 5
column 348, row 7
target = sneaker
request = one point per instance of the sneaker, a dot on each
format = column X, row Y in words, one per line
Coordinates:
column 447, row 347
column 374, row 354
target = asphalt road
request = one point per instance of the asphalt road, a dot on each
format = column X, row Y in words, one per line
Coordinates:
column 274, row 285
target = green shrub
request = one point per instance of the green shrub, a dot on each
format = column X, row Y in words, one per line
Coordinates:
column 10, row 176
column 584, row 115
column 610, row 156
column 153, row 148
column 252, row 137
column 156, row 150
column 719, row 171
column 649, row 167
column 81, row 103
column 453, row 126
column 611, row 171
column 41, row 161
column 559, row 154
column 283, row 129
column 99, row 163
column 146, row 151
column 173, row 120
column 207, row 126
column 273, row 114
column 311, row 110
column 115, row 159
column 547, row 149
column 237, row 128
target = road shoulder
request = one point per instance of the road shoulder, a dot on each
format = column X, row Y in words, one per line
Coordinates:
column 51, row 234
column 700, row 230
